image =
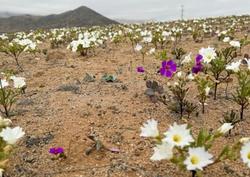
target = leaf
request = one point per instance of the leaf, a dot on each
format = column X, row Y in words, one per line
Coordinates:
column 154, row 85
column 150, row 92
column 154, row 99
column 108, row 78
column 224, row 152
column 99, row 145
column 160, row 90
column 201, row 138
column 149, row 84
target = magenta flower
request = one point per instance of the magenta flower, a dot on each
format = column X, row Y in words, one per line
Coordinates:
column 198, row 65
column 198, row 59
column 140, row 69
column 56, row 151
column 168, row 68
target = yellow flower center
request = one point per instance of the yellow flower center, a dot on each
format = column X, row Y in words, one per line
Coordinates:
column 177, row 138
column 248, row 155
column 195, row 160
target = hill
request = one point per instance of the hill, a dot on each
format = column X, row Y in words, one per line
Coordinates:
column 82, row 16
column 6, row 14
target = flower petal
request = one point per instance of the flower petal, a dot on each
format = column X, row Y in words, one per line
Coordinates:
column 168, row 74
column 164, row 64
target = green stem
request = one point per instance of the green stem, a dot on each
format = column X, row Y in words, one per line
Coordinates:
column 193, row 173
column 203, row 108
column 242, row 112
column 215, row 91
column 4, row 100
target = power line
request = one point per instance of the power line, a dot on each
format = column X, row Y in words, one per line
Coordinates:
column 182, row 12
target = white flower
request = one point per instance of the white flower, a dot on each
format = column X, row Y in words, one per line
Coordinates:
column 198, row 158
column 32, row 46
column 147, row 39
column 3, row 37
column 245, row 153
column 74, row 45
column 152, row 51
column 226, row 39
column 245, row 140
column 150, row 129
column 19, row 82
column 86, row 40
column 176, row 83
column 224, row 32
column 29, row 45
column 12, row 135
column 165, row 33
column 208, row 54
column 234, row 66
column 5, row 122
column 138, row 47
column 235, row 44
column 178, row 135
column 207, row 90
column 225, row 128
column 4, row 83
column 85, row 43
column 187, row 58
column 190, row 77
column 162, row 151
column 179, row 74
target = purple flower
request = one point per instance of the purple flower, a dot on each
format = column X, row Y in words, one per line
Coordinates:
column 56, row 151
column 198, row 59
column 198, row 65
column 140, row 69
column 168, row 68
column 197, row 68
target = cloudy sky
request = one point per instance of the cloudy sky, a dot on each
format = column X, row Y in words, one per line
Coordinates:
column 133, row 9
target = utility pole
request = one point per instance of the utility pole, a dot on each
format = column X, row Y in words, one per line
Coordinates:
column 182, row 12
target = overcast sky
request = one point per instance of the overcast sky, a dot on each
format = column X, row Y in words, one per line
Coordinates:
column 133, row 9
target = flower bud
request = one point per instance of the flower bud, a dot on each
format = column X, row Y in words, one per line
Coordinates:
column 225, row 128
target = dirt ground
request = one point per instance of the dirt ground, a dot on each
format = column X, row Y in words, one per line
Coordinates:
column 59, row 108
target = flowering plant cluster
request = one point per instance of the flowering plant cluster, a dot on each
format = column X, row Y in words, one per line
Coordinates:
column 209, row 69
column 10, row 88
column 86, row 42
column 143, row 46
column 242, row 94
column 17, row 46
column 179, row 146
column 58, row 152
column 8, row 139
column 57, row 38
column 203, row 86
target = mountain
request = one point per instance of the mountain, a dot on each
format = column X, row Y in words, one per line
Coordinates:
column 8, row 14
column 82, row 16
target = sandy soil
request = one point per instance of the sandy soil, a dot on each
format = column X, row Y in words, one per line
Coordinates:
column 113, row 112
